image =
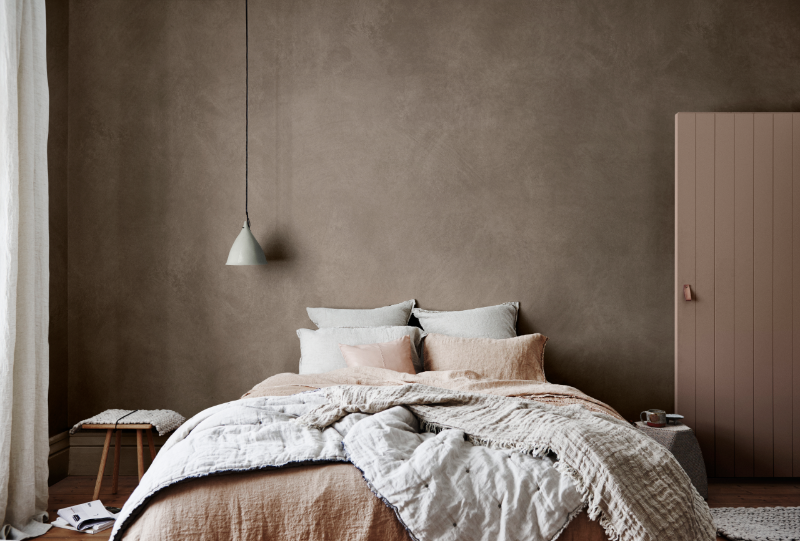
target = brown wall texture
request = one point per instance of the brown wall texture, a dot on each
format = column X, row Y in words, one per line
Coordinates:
column 57, row 152
column 461, row 153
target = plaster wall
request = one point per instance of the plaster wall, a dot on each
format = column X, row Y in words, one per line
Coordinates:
column 460, row 153
column 57, row 12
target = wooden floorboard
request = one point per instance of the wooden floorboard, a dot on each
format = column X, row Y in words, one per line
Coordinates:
column 78, row 489
column 754, row 494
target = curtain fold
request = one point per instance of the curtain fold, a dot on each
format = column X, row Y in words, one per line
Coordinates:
column 24, row 269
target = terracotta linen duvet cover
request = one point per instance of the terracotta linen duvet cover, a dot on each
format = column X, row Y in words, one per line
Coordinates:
column 328, row 501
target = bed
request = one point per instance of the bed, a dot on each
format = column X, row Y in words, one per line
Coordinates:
column 323, row 501
column 466, row 441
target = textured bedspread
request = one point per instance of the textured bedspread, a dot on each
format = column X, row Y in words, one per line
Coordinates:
column 455, row 380
column 243, row 422
column 411, row 471
column 633, row 484
column 444, row 487
column 319, row 502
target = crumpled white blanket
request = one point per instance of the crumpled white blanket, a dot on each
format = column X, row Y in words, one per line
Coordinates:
column 443, row 487
column 422, row 476
column 631, row 483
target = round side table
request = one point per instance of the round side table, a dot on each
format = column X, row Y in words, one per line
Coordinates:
column 680, row 441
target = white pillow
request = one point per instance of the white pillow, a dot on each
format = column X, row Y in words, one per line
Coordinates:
column 496, row 322
column 319, row 350
column 396, row 314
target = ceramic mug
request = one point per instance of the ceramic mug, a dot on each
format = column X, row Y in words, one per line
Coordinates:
column 654, row 417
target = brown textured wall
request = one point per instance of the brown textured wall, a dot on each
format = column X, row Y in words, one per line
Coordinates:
column 462, row 153
column 57, row 69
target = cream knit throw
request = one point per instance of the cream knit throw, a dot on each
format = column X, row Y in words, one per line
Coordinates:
column 630, row 482
column 164, row 421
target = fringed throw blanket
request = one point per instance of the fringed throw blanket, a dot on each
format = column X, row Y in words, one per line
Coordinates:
column 631, row 483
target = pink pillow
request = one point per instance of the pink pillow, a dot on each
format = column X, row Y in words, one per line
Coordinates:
column 521, row 357
column 394, row 355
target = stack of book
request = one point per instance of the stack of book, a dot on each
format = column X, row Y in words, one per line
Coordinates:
column 89, row 517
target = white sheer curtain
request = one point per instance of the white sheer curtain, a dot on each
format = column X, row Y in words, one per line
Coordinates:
column 24, row 269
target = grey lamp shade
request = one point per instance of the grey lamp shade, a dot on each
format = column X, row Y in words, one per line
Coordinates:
column 246, row 250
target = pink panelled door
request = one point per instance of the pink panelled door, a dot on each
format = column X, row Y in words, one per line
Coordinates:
column 737, row 245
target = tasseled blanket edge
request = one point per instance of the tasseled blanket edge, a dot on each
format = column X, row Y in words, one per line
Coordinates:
column 587, row 494
column 537, row 451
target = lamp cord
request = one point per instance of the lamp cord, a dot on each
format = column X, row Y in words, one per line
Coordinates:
column 121, row 418
column 246, row 110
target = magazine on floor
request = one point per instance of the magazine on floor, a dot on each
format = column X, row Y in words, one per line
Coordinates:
column 90, row 517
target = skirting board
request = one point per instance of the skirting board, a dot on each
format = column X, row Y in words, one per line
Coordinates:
column 86, row 448
column 58, row 459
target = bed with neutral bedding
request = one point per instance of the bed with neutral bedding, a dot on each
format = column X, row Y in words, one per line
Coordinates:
column 449, row 432
column 320, row 501
column 329, row 500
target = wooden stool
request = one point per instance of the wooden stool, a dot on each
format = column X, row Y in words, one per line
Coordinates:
column 139, row 452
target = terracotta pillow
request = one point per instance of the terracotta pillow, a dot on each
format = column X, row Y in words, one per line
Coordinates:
column 521, row 357
column 394, row 355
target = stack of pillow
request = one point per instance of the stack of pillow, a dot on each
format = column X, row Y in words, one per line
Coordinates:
column 320, row 351
column 483, row 340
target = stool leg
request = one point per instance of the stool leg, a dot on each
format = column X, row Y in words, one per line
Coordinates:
column 152, row 446
column 139, row 453
column 102, row 465
column 117, row 442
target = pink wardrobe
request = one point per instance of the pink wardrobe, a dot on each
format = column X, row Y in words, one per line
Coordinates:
column 737, row 248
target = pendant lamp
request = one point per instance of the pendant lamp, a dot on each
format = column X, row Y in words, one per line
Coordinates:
column 245, row 249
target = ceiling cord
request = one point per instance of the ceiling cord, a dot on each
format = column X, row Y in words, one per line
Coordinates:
column 246, row 110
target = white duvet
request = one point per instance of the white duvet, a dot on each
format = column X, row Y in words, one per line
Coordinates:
column 443, row 487
column 440, row 486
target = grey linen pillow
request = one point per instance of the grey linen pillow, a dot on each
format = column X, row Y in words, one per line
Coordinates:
column 396, row 314
column 319, row 350
column 496, row 322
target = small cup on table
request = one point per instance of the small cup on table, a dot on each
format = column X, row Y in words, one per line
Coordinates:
column 654, row 417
